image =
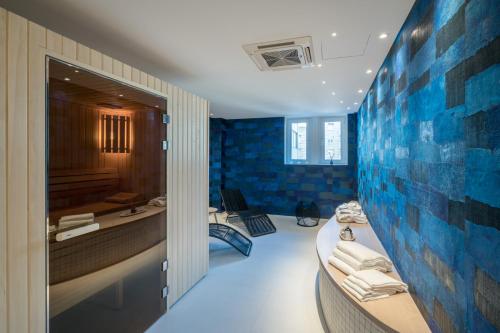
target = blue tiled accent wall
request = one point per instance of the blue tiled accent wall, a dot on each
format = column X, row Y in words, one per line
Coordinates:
column 429, row 160
column 249, row 154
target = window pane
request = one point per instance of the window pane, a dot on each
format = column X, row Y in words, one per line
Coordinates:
column 299, row 141
column 333, row 143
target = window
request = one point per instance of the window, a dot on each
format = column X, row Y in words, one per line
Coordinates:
column 316, row 141
column 299, row 141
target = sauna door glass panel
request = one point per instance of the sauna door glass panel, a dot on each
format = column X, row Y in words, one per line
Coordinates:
column 106, row 176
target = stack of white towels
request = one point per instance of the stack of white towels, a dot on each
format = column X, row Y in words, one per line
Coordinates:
column 76, row 220
column 369, row 285
column 365, row 269
column 350, row 257
column 350, row 212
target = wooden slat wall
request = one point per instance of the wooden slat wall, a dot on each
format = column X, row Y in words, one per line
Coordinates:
column 3, row 171
column 23, row 46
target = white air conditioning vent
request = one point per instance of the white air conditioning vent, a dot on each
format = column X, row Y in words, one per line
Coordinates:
column 283, row 54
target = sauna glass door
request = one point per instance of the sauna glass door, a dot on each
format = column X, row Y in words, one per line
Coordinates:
column 106, row 197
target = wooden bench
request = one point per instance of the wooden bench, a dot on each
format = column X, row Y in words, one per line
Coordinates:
column 78, row 191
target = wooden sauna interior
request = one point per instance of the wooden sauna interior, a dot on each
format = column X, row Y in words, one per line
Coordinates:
column 80, row 172
column 106, row 157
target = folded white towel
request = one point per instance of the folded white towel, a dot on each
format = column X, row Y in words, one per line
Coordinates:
column 367, row 288
column 364, row 255
column 158, row 202
column 349, row 260
column 376, row 279
column 341, row 265
column 351, row 206
column 380, row 265
column 368, row 292
column 346, row 217
column 72, row 223
column 360, row 297
column 78, row 217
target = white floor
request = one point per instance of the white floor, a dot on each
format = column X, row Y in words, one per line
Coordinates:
column 272, row 291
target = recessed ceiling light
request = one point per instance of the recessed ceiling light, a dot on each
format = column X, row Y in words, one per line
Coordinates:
column 323, row 82
column 382, row 35
column 368, row 71
column 334, row 34
column 211, row 114
column 157, row 106
column 355, row 103
column 333, row 93
column 121, row 95
column 77, row 71
column 341, row 102
column 360, row 91
column 320, row 65
column 348, row 108
column 67, row 79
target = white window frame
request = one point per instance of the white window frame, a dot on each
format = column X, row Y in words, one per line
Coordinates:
column 288, row 143
column 316, row 141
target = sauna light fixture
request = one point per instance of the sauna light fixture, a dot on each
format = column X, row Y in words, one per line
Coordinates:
column 382, row 35
column 115, row 134
column 67, row 79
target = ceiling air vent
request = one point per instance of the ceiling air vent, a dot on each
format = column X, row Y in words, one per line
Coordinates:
column 283, row 54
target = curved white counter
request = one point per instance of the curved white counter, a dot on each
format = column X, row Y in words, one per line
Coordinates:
column 342, row 311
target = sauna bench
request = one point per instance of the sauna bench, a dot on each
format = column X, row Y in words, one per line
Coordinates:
column 345, row 313
column 114, row 219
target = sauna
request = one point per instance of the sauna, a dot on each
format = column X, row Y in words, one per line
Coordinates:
column 106, row 202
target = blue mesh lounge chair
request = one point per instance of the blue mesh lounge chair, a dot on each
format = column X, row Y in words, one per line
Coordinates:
column 256, row 221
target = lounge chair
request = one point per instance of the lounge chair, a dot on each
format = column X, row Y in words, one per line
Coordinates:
column 231, row 236
column 256, row 221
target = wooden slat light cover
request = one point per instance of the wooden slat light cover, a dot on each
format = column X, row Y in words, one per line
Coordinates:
column 115, row 134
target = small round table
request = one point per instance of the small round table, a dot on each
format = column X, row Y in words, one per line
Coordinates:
column 213, row 210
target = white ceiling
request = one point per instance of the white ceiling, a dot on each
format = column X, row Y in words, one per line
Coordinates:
column 197, row 45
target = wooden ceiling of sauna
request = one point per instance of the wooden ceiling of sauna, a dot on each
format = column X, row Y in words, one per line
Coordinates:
column 89, row 88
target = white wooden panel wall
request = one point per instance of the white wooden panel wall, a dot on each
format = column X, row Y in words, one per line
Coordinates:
column 23, row 47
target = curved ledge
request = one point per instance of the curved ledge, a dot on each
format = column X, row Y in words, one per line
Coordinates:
column 397, row 313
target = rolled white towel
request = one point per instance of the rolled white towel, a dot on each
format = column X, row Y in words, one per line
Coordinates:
column 341, row 265
column 378, row 280
column 78, row 217
column 363, row 254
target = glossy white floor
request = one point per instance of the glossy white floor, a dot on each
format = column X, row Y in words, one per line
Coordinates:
column 273, row 290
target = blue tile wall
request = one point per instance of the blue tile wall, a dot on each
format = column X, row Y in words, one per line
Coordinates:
column 429, row 160
column 249, row 154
